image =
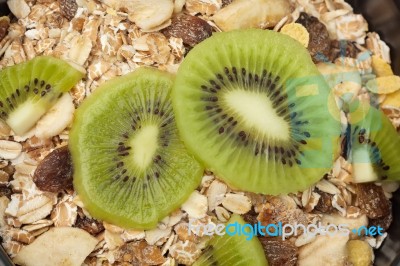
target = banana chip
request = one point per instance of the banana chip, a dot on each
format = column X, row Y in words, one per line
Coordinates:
column 384, row 85
column 380, row 67
column 297, row 32
column 392, row 99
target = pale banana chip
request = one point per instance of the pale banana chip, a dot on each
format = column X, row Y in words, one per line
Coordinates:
column 380, row 67
column 297, row 32
column 58, row 246
column 384, row 85
column 392, row 99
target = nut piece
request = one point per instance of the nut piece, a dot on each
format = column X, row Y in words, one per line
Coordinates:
column 297, row 32
column 58, row 246
column 4, row 24
column 54, row 172
column 253, row 14
column 19, row 8
column 68, row 8
column 10, row 149
column 190, row 29
column 359, row 253
column 56, row 119
column 320, row 43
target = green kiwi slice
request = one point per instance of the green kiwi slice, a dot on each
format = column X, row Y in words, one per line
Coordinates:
column 374, row 144
column 130, row 167
column 233, row 250
column 252, row 106
column 29, row 89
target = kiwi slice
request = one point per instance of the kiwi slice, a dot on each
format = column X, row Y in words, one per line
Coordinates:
column 130, row 168
column 29, row 89
column 374, row 144
column 233, row 250
column 252, row 106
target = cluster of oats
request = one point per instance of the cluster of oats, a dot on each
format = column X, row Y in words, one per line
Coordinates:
column 110, row 38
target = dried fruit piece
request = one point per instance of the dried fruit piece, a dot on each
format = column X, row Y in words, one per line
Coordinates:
column 253, row 14
column 58, row 246
column 342, row 48
column 324, row 204
column 54, row 172
column 68, row 8
column 380, row 67
column 56, row 119
column 372, row 200
column 279, row 252
column 90, row 225
column 190, row 29
column 4, row 24
column 319, row 44
column 384, row 221
column 359, row 253
column 297, row 32
column 147, row 254
column 324, row 250
column 392, row 99
column 384, row 85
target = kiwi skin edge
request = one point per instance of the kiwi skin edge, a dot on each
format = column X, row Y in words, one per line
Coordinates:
column 125, row 215
column 198, row 94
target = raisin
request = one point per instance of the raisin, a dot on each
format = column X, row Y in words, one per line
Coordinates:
column 383, row 221
column 4, row 25
column 226, row 2
column 324, row 204
column 342, row 48
column 319, row 44
column 5, row 191
column 191, row 29
column 54, row 172
column 279, row 252
column 372, row 200
column 251, row 217
column 92, row 226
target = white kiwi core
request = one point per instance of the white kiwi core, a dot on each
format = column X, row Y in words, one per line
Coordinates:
column 256, row 112
column 144, row 145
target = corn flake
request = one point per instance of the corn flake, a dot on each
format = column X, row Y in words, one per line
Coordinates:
column 297, row 32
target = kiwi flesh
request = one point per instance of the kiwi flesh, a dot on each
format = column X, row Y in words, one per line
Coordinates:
column 254, row 109
column 130, row 167
column 235, row 250
column 29, row 89
column 374, row 144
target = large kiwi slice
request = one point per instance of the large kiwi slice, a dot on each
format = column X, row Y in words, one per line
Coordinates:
column 29, row 89
column 239, row 249
column 374, row 144
column 130, row 168
column 254, row 109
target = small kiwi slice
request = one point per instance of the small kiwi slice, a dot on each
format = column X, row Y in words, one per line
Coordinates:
column 29, row 89
column 252, row 106
column 130, row 168
column 374, row 144
column 235, row 250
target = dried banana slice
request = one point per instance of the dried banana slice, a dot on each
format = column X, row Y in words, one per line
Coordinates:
column 297, row 32
column 384, row 85
column 380, row 67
